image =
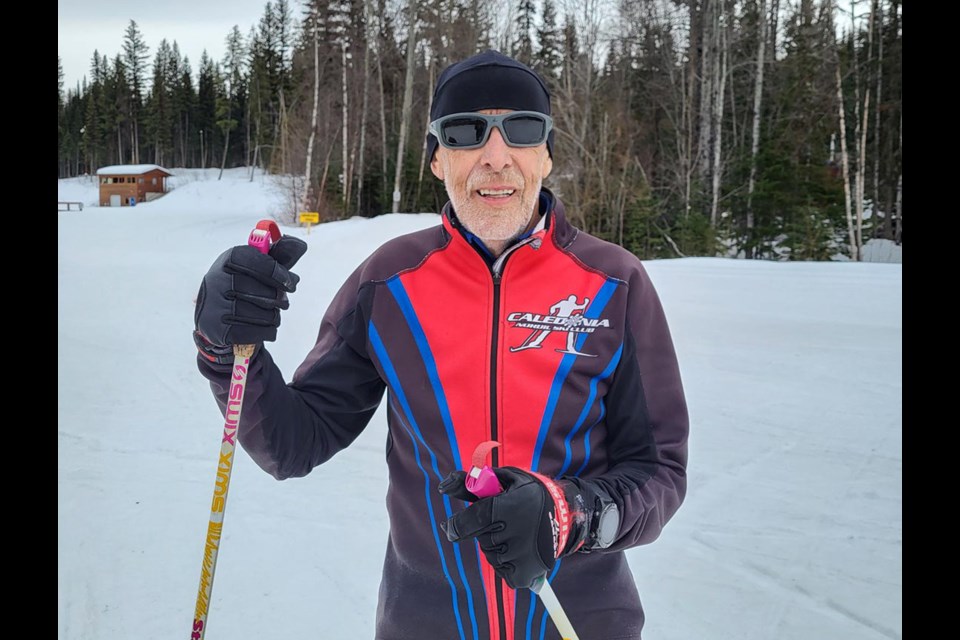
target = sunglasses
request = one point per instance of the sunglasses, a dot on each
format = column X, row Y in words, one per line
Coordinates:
column 472, row 130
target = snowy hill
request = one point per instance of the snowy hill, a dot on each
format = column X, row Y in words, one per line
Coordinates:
column 792, row 526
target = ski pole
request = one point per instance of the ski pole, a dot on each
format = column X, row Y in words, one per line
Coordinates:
column 482, row 482
column 262, row 237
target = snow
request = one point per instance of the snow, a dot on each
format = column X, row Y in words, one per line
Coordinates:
column 879, row 250
column 128, row 169
column 792, row 525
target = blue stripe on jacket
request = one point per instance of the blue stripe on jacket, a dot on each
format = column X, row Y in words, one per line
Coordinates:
column 401, row 397
column 596, row 307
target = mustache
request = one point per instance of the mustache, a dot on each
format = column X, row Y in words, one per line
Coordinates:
column 481, row 179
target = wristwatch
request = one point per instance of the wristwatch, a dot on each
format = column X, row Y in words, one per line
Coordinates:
column 606, row 527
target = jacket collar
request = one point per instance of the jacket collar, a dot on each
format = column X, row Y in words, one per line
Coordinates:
column 553, row 219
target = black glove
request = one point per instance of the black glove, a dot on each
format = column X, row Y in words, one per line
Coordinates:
column 241, row 296
column 524, row 529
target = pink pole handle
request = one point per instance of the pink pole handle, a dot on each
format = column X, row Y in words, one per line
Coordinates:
column 264, row 235
column 481, row 480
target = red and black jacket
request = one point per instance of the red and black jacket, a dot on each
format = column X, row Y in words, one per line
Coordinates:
column 560, row 351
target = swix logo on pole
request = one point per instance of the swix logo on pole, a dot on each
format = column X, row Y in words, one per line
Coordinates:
column 565, row 316
column 232, row 417
column 234, row 403
column 224, row 466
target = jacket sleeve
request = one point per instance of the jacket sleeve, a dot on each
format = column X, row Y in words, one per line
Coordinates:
column 647, row 424
column 290, row 428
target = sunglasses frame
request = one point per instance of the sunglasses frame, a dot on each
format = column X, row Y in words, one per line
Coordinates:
column 491, row 121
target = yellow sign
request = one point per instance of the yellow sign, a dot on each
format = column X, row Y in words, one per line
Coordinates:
column 309, row 217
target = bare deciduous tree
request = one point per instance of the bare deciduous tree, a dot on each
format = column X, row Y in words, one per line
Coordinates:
column 757, row 103
column 407, row 102
column 305, row 202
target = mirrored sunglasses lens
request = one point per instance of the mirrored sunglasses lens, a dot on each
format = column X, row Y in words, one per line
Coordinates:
column 525, row 130
column 463, row 132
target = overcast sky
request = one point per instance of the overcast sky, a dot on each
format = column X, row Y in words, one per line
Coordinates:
column 85, row 26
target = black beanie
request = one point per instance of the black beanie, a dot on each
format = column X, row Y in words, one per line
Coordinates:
column 488, row 80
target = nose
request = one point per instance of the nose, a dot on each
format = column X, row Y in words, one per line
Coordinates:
column 496, row 152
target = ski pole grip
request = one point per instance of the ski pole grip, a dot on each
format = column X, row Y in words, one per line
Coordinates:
column 261, row 238
column 481, row 480
column 264, row 235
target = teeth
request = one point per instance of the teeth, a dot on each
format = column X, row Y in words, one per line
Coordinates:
column 496, row 192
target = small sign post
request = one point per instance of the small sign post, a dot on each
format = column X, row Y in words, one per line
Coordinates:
column 308, row 218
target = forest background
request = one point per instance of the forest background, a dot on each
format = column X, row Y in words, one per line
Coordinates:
column 766, row 129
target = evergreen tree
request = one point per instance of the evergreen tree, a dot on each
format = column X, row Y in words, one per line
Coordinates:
column 230, row 95
column 267, row 80
column 522, row 45
column 73, row 117
column 60, row 130
column 159, row 109
column 185, row 105
column 116, row 114
column 59, row 86
column 798, row 201
column 135, row 54
column 91, row 142
column 549, row 59
column 206, row 114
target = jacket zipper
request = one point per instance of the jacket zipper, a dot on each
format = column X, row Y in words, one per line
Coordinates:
column 496, row 271
column 493, row 367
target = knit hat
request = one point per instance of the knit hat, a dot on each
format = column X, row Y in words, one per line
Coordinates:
column 488, row 80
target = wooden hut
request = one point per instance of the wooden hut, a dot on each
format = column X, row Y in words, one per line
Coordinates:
column 125, row 185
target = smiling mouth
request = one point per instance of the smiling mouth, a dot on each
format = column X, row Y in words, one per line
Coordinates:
column 496, row 193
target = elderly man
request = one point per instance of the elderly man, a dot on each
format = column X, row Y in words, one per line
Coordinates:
column 505, row 324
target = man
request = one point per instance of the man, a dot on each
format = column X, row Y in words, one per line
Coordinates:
column 592, row 431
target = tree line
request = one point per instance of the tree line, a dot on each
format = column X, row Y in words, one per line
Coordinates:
column 750, row 128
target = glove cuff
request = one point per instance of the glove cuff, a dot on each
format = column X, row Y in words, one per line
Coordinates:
column 579, row 502
column 562, row 519
column 215, row 353
column 575, row 505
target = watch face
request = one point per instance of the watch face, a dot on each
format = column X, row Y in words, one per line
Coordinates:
column 608, row 527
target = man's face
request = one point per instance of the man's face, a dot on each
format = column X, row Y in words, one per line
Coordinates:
column 494, row 188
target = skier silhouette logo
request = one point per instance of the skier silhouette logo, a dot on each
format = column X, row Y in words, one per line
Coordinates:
column 566, row 315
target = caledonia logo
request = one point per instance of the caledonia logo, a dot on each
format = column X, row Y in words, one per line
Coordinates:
column 565, row 316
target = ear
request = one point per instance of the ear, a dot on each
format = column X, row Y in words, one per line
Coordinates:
column 436, row 167
column 547, row 166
